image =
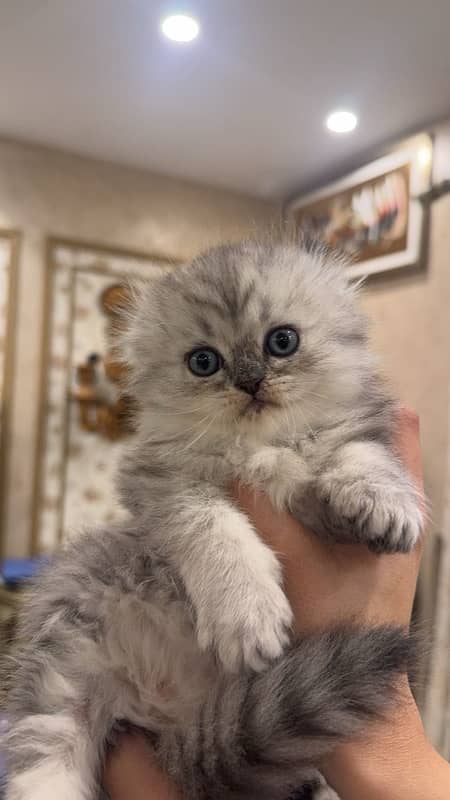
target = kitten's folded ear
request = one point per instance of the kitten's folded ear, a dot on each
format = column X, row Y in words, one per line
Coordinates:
column 330, row 262
column 129, row 312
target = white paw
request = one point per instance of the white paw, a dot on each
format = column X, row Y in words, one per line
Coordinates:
column 250, row 629
column 389, row 519
column 325, row 793
column 277, row 471
column 397, row 524
column 49, row 780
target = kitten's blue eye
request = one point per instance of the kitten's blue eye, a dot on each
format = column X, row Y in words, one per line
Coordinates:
column 204, row 362
column 282, row 342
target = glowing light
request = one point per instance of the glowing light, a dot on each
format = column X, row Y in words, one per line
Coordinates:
column 424, row 156
column 341, row 121
column 180, row 28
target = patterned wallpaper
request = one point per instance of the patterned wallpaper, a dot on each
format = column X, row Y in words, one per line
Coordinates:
column 76, row 467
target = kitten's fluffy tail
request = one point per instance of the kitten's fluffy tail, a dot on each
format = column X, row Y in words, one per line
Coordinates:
column 256, row 734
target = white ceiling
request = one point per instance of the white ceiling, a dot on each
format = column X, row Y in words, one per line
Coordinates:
column 243, row 106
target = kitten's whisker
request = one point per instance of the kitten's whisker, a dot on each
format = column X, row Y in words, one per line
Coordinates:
column 175, row 450
column 291, row 416
column 179, row 413
column 196, row 438
column 316, row 394
column 206, row 429
column 288, row 422
column 294, row 427
column 313, row 433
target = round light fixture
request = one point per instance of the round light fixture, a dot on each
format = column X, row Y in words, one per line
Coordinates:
column 341, row 121
column 424, row 156
column 180, row 28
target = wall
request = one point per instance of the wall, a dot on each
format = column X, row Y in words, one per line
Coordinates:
column 45, row 192
column 411, row 331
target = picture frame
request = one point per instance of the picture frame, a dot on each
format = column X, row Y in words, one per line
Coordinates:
column 9, row 260
column 67, row 484
column 374, row 214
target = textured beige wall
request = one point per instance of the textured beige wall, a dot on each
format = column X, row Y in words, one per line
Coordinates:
column 44, row 192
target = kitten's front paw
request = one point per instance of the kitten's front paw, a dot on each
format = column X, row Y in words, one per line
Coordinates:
column 277, row 471
column 249, row 630
column 388, row 519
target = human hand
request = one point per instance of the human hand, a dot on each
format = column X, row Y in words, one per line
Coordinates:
column 132, row 773
column 328, row 583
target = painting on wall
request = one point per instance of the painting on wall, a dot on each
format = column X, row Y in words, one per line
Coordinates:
column 373, row 215
column 9, row 245
column 84, row 418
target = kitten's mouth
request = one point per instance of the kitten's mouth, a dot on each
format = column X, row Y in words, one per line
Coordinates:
column 256, row 406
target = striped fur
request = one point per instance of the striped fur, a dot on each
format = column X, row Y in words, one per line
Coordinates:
column 176, row 621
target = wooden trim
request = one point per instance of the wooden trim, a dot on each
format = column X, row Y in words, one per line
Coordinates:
column 108, row 250
column 42, row 395
column 14, row 237
column 67, row 409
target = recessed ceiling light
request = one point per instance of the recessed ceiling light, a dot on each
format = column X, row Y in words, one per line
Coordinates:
column 180, row 28
column 341, row 121
column 424, row 156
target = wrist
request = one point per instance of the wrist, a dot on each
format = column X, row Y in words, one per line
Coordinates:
column 393, row 760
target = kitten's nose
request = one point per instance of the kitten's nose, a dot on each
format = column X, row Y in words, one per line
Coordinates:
column 250, row 386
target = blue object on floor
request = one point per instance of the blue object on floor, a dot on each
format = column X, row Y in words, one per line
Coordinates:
column 16, row 570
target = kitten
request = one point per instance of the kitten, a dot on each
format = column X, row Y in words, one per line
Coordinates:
column 251, row 363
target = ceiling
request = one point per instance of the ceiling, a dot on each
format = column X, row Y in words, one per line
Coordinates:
column 243, row 106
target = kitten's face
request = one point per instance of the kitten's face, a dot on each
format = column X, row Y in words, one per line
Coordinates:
column 246, row 339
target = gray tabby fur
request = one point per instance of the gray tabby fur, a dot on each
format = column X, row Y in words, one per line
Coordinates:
column 176, row 621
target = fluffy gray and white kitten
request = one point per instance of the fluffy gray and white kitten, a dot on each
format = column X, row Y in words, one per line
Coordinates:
column 250, row 363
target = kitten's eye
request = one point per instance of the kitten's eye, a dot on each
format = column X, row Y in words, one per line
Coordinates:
column 204, row 362
column 282, row 342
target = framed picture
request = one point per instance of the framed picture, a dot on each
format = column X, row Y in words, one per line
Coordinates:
column 372, row 215
column 9, row 249
column 75, row 463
